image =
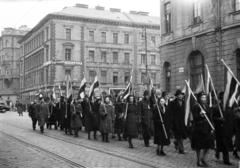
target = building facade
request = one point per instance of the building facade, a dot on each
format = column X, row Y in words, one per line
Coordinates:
column 9, row 63
column 79, row 41
column 195, row 33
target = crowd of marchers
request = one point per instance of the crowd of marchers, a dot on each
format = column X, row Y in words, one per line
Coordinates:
column 162, row 118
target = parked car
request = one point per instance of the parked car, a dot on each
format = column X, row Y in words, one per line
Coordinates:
column 3, row 107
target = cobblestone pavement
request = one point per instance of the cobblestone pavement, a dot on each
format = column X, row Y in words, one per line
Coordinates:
column 92, row 153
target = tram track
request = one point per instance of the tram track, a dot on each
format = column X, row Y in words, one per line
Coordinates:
column 85, row 146
column 37, row 148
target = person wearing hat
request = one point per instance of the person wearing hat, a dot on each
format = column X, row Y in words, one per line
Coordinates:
column 19, row 106
column 120, row 107
column 61, row 110
column 224, row 130
column 42, row 111
column 96, row 114
column 145, row 112
column 107, row 118
column 32, row 113
column 76, row 110
column 202, row 133
column 177, row 113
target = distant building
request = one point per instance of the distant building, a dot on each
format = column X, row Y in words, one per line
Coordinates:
column 9, row 63
column 77, row 41
column 195, row 33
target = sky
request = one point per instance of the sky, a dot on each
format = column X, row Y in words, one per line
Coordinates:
column 14, row 13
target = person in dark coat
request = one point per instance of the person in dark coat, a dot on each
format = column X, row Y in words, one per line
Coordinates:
column 237, row 136
column 130, row 127
column 20, row 107
column 68, row 115
column 120, row 107
column 146, row 118
column 224, row 128
column 202, row 135
column 42, row 111
column 160, row 138
column 76, row 113
column 61, row 110
column 32, row 113
column 53, row 115
column 96, row 107
column 177, row 112
column 90, row 118
column 139, row 125
column 107, row 118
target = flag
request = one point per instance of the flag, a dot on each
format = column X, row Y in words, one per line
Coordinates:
column 200, row 87
column 234, row 96
column 128, row 89
column 209, row 88
column 94, row 85
column 229, row 89
column 69, row 87
column 53, row 96
column 112, row 93
column 82, row 87
column 187, row 98
column 60, row 91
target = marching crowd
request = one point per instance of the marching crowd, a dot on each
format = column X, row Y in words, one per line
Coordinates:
column 144, row 117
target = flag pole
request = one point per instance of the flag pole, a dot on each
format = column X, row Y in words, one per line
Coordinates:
column 214, row 91
column 200, row 106
column 125, row 114
column 164, row 129
column 230, row 71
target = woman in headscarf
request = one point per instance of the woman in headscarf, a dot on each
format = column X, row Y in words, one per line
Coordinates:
column 202, row 136
column 130, row 128
column 160, row 138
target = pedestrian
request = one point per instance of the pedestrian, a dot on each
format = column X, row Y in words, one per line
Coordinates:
column 90, row 117
column 42, row 111
column 61, row 110
column 161, row 126
column 139, row 124
column 106, row 118
column 76, row 111
column 224, row 130
column 237, row 136
column 67, row 120
column 53, row 115
column 96, row 113
column 130, row 127
column 19, row 106
column 146, row 118
column 120, row 107
column 177, row 113
column 32, row 113
column 202, row 135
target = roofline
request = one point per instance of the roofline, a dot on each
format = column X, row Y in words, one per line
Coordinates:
column 85, row 19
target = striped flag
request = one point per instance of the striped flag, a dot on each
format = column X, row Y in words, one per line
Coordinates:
column 128, row 89
column 82, row 87
column 234, row 96
column 94, row 85
column 209, row 88
column 69, row 87
column 229, row 89
column 187, row 97
column 60, row 91
column 200, row 87
column 53, row 96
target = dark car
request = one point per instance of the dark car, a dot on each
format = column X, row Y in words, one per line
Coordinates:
column 3, row 107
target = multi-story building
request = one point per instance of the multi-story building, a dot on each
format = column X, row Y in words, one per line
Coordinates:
column 195, row 33
column 9, row 63
column 79, row 41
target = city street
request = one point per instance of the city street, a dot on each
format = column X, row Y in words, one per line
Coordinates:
column 20, row 146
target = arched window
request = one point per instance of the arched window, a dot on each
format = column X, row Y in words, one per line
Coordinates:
column 196, row 65
column 238, row 63
column 167, row 76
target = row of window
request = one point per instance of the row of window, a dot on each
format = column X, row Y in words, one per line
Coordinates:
column 33, row 79
column 34, row 61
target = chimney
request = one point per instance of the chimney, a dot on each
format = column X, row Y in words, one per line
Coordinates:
column 133, row 12
column 143, row 13
column 115, row 10
column 99, row 8
column 81, row 5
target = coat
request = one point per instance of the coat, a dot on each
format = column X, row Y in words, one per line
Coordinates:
column 224, row 129
column 20, row 107
column 177, row 113
column 237, row 119
column 130, row 127
column 61, row 111
column 202, row 137
column 42, row 111
column 146, row 118
column 96, row 107
column 67, row 121
column 76, row 111
column 90, row 119
column 119, row 112
column 159, row 134
column 32, row 110
column 53, row 114
column 106, row 118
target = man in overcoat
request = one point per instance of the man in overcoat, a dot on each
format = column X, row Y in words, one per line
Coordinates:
column 177, row 112
column 32, row 114
column 61, row 110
